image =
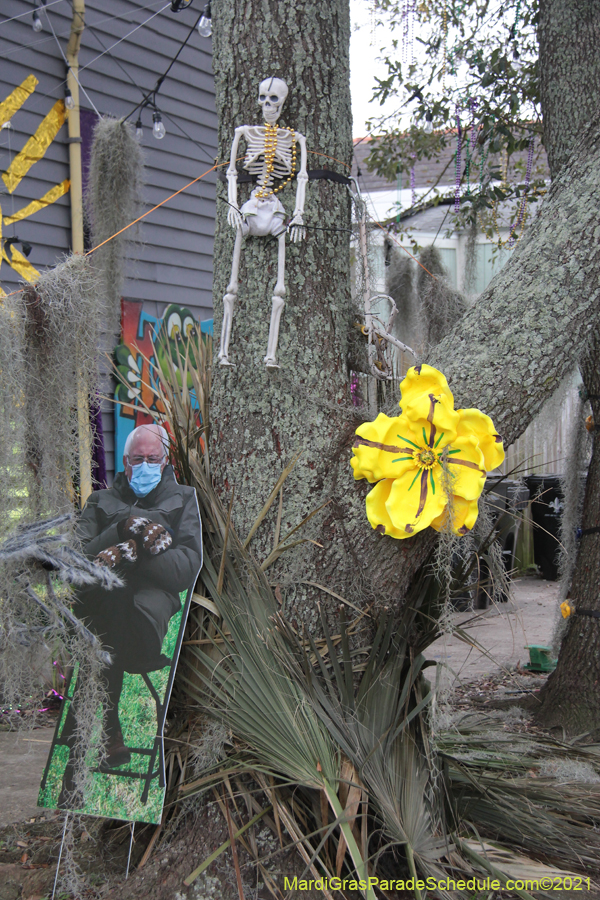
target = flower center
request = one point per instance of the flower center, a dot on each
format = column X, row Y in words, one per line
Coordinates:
column 425, row 459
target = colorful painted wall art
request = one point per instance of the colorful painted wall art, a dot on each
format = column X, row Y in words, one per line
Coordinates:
column 146, row 340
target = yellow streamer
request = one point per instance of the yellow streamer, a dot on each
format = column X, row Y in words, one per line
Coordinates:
column 59, row 190
column 18, row 262
column 16, row 100
column 35, row 147
column 21, row 264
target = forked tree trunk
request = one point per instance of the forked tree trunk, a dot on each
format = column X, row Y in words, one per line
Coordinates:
column 506, row 356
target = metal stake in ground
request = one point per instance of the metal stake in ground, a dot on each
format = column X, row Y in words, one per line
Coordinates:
column 62, row 843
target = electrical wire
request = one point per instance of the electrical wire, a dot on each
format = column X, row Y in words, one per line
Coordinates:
column 199, row 144
column 36, row 43
column 28, row 13
column 160, row 81
column 124, row 38
column 143, row 216
column 81, row 88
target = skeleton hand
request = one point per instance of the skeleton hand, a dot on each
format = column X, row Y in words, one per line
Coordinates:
column 296, row 228
column 234, row 217
column 121, row 553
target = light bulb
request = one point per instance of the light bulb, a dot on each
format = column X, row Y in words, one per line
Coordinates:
column 204, row 27
column 37, row 22
column 69, row 102
column 139, row 131
column 205, row 24
column 428, row 127
column 158, row 129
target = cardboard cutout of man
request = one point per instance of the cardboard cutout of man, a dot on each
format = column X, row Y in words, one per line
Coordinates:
column 146, row 527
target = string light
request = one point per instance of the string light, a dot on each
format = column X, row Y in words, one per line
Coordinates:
column 205, row 23
column 139, row 131
column 158, row 128
column 69, row 103
column 428, row 127
column 36, row 23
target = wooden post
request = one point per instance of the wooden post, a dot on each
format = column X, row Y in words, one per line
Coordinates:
column 73, row 121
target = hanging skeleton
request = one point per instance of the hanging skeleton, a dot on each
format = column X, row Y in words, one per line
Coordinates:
column 271, row 155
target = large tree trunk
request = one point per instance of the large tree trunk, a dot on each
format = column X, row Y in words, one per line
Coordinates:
column 571, row 697
column 506, row 356
column 569, row 37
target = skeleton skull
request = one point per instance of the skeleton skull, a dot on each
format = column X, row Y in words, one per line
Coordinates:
column 271, row 97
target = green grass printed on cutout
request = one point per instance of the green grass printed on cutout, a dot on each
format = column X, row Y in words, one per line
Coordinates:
column 113, row 796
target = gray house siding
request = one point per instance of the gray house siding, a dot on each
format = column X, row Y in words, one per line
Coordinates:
column 170, row 260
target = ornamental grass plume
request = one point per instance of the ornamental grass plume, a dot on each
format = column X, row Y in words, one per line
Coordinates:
column 429, row 463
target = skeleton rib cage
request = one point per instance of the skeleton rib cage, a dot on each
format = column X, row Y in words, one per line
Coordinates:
column 254, row 161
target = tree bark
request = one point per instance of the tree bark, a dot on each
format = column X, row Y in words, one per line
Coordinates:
column 571, row 696
column 569, row 38
column 261, row 417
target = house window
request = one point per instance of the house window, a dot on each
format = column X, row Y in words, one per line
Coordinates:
column 489, row 260
column 448, row 255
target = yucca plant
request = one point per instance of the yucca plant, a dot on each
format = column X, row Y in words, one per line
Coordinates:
column 533, row 792
column 313, row 713
column 379, row 725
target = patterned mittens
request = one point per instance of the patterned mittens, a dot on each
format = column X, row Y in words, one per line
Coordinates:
column 155, row 539
column 126, row 552
column 137, row 534
column 132, row 527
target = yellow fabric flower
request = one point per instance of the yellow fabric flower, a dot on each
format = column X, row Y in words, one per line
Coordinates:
column 427, row 455
column 566, row 609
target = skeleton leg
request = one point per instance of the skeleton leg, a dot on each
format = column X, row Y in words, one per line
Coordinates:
column 277, row 308
column 229, row 300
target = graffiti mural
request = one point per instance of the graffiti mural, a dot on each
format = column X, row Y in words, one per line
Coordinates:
column 145, row 344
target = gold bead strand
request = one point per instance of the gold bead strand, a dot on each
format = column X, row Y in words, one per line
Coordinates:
column 270, row 150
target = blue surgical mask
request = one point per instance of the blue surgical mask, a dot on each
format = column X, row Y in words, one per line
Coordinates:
column 144, row 478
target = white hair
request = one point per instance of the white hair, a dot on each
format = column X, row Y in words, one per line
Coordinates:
column 154, row 428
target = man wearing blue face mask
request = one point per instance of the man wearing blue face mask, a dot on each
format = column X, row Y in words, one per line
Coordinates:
column 146, row 527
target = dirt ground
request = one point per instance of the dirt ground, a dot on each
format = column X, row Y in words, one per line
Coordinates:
column 30, row 837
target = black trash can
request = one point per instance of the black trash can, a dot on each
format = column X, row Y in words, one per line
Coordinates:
column 507, row 499
column 546, row 511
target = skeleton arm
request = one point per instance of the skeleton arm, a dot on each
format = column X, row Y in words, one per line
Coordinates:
column 296, row 226
column 234, row 216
